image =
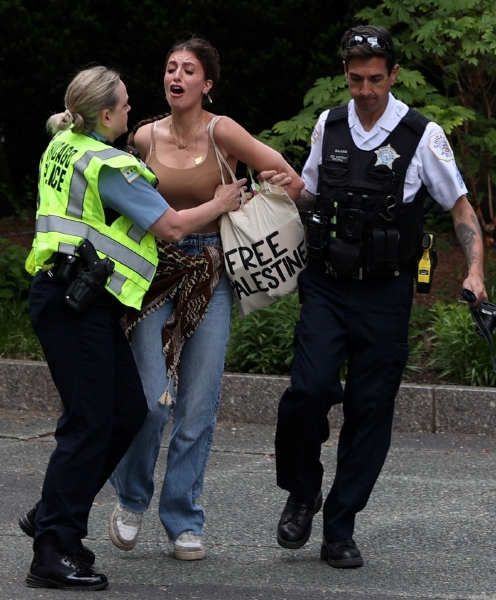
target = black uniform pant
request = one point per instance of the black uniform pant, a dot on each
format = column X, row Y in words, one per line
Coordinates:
column 93, row 368
column 366, row 321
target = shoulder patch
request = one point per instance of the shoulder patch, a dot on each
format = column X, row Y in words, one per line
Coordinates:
column 439, row 146
column 317, row 130
column 130, row 173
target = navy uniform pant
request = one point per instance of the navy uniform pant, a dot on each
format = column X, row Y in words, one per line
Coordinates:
column 367, row 322
column 92, row 366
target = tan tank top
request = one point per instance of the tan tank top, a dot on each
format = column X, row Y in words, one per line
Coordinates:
column 185, row 188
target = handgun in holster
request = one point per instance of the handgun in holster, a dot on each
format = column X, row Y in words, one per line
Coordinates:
column 90, row 280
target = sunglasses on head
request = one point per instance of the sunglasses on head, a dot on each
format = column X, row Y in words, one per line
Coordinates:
column 371, row 40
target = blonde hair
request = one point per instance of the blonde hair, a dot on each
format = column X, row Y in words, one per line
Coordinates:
column 89, row 93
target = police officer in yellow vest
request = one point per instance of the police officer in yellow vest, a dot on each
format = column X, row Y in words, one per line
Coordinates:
column 93, row 255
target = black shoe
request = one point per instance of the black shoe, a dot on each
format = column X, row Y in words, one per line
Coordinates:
column 295, row 524
column 26, row 523
column 52, row 568
column 341, row 555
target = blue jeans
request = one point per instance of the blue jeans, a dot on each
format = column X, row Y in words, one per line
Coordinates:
column 194, row 409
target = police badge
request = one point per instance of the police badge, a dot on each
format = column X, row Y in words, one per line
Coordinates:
column 386, row 155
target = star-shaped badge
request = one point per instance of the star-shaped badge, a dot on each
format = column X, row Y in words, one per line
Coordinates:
column 386, row 156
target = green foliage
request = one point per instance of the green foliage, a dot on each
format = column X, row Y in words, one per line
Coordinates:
column 418, row 339
column 291, row 137
column 447, row 52
column 17, row 339
column 14, row 279
column 453, row 43
column 457, row 353
column 262, row 342
column 441, row 338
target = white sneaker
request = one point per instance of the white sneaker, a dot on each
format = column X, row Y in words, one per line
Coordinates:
column 124, row 527
column 189, row 546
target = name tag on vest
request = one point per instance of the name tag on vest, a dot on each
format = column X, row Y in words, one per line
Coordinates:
column 339, row 155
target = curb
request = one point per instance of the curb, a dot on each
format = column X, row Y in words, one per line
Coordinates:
column 27, row 385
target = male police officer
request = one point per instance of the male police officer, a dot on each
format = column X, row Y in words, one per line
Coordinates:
column 369, row 167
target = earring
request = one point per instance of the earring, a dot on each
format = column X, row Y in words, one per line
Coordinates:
column 207, row 96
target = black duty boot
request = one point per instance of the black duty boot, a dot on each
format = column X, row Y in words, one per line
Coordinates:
column 341, row 555
column 52, row 568
column 295, row 524
column 27, row 524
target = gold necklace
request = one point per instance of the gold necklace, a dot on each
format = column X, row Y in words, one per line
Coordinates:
column 198, row 159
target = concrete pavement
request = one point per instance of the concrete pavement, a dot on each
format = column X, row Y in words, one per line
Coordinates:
column 428, row 532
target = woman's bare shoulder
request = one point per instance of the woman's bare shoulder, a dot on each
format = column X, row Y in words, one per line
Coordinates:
column 143, row 133
column 227, row 130
column 224, row 124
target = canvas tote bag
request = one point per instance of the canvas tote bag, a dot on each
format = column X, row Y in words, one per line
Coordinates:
column 264, row 243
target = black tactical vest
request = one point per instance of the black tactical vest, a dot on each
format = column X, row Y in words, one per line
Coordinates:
column 360, row 192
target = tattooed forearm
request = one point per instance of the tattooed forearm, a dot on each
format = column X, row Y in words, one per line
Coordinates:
column 305, row 202
column 475, row 221
column 466, row 236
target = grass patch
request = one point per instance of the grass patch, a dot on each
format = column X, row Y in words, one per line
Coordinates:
column 17, row 338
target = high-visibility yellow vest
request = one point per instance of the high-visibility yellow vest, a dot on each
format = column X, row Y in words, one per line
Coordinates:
column 70, row 210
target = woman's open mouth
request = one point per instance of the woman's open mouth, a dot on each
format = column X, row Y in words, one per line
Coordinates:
column 176, row 90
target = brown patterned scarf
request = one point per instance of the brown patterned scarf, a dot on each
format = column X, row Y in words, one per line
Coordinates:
column 188, row 279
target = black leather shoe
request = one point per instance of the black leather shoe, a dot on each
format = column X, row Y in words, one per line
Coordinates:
column 26, row 523
column 295, row 524
column 341, row 555
column 52, row 568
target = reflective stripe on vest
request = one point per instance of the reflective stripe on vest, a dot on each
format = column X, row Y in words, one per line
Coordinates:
column 106, row 245
column 136, row 234
column 116, row 282
column 79, row 183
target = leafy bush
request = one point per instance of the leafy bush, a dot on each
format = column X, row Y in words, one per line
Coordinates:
column 17, row 339
column 14, row 279
column 418, row 340
column 262, row 342
column 457, row 353
column 442, row 338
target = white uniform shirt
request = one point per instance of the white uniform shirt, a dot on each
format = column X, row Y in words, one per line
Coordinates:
column 433, row 163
